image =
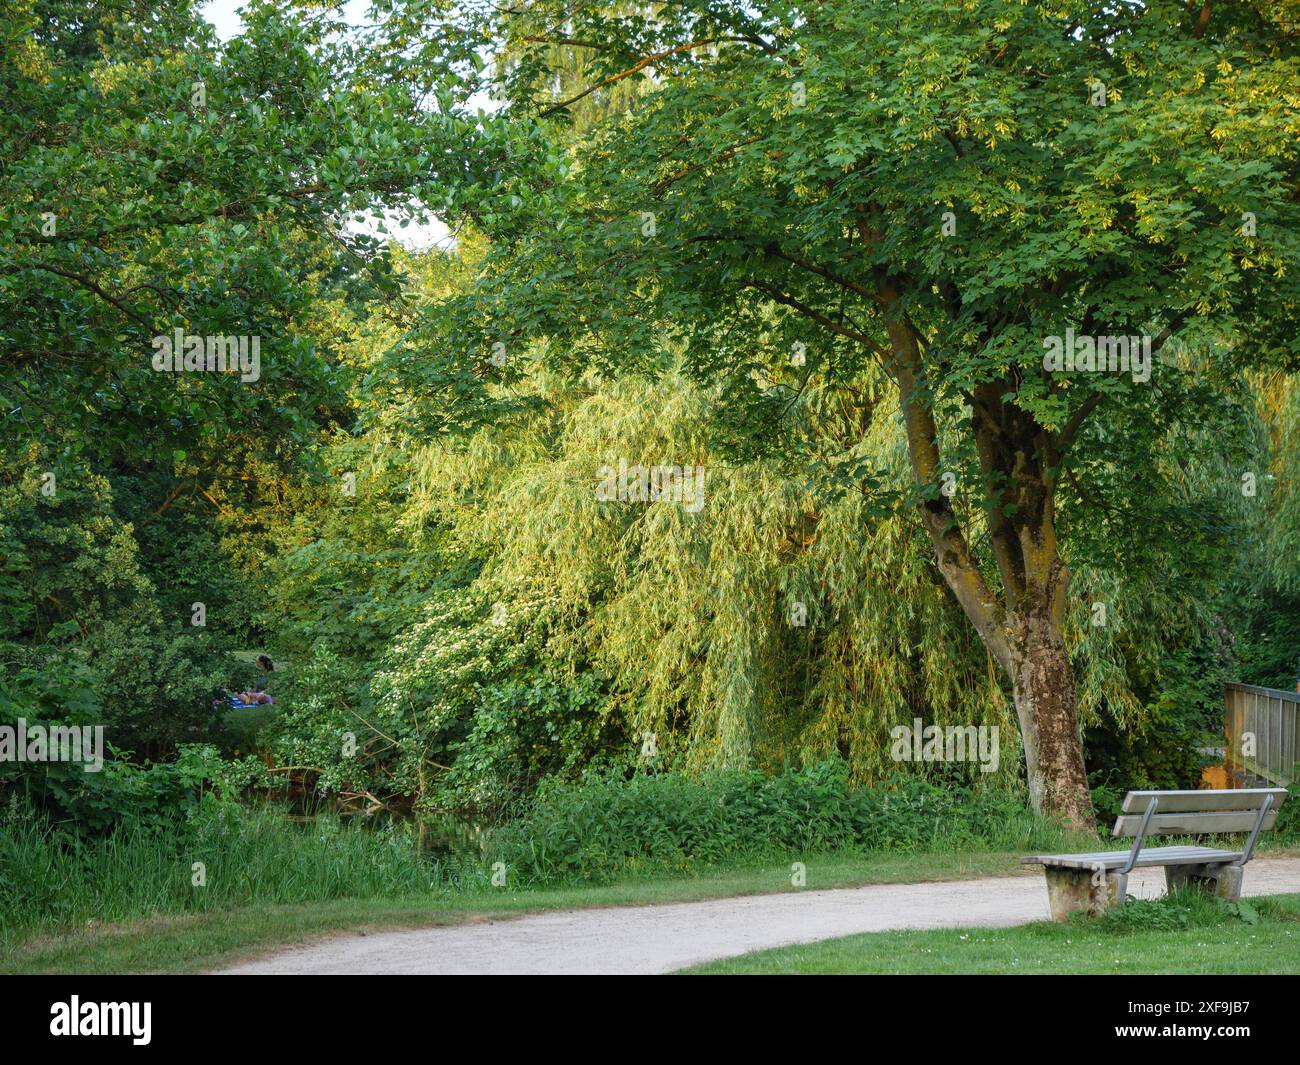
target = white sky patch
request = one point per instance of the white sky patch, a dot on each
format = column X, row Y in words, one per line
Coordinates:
column 223, row 15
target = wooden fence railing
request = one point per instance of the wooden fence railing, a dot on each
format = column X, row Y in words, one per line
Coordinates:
column 1262, row 734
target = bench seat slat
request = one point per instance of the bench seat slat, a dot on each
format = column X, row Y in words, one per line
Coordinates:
column 1148, row 856
column 1192, row 824
column 1176, row 802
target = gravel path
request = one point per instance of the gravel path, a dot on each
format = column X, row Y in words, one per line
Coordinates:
column 659, row 939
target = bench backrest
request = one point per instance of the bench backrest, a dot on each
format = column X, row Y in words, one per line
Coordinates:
column 1189, row 813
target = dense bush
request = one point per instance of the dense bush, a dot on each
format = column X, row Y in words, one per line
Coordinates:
column 1270, row 646
column 76, row 602
column 606, row 827
column 458, row 713
column 1287, row 828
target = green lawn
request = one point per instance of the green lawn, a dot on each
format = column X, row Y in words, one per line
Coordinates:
column 1179, row 935
column 194, row 942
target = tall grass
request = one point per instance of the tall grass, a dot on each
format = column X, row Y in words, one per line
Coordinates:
column 51, row 880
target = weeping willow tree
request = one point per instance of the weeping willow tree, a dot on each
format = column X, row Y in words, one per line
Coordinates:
column 754, row 628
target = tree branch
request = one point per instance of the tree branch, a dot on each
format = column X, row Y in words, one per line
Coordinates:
column 634, row 69
column 91, row 286
column 816, row 316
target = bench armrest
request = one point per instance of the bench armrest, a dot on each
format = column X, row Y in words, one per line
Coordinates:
column 1254, row 832
column 1141, row 834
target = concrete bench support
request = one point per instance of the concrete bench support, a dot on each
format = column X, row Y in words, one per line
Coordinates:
column 1072, row 890
column 1216, row 879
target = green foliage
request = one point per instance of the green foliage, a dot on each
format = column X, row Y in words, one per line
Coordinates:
column 187, row 182
column 120, row 793
column 777, row 219
column 183, row 546
column 157, row 796
column 474, row 616
column 1287, row 829
column 460, row 713
column 605, row 827
column 1178, row 910
column 1157, row 748
column 1269, row 647
column 776, row 188
column 63, row 692
column 77, row 602
column 619, row 619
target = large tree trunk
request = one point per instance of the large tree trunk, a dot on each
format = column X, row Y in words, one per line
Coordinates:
column 1042, row 683
column 1023, row 629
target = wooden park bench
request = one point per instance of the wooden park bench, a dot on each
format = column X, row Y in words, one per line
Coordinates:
column 1097, row 882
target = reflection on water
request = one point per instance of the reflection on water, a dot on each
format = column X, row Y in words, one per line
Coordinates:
column 438, row 835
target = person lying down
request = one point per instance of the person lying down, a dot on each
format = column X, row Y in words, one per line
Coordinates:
column 246, row 698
